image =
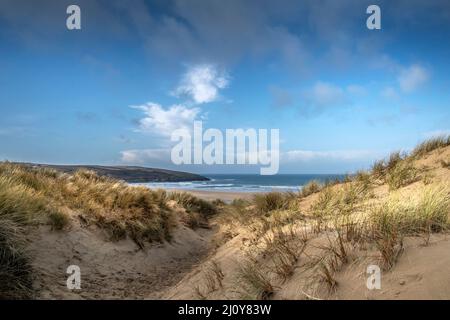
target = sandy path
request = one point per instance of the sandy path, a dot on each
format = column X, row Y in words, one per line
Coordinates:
column 117, row 270
column 112, row 270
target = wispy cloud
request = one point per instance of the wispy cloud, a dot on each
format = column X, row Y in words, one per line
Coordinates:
column 322, row 96
column 202, row 83
column 325, row 94
column 412, row 78
column 163, row 122
column 343, row 155
column 139, row 156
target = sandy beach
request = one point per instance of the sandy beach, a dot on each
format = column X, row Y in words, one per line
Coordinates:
column 226, row 196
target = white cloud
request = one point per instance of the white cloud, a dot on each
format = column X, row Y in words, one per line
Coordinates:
column 343, row 155
column 202, row 83
column 144, row 155
column 324, row 94
column 412, row 77
column 163, row 122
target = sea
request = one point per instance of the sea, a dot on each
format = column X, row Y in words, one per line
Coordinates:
column 248, row 182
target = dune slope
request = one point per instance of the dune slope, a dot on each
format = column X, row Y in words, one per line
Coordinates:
column 135, row 243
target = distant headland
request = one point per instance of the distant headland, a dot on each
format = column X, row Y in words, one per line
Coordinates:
column 132, row 174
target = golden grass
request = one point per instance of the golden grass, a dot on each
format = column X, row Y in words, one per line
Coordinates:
column 311, row 187
column 425, row 211
column 378, row 169
column 394, row 159
column 267, row 202
column 325, row 203
column 17, row 207
column 383, row 167
column 364, row 179
column 400, row 175
column 430, row 145
column 382, row 226
column 122, row 210
column 341, row 200
column 198, row 210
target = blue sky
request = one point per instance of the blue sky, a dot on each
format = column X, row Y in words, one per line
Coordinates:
column 111, row 93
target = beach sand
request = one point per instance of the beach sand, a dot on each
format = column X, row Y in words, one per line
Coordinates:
column 226, row 196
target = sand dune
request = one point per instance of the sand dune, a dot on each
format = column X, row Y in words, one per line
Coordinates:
column 275, row 246
column 420, row 272
column 112, row 270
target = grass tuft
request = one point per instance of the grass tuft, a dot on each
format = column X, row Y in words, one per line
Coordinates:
column 378, row 169
column 311, row 187
column 253, row 282
column 58, row 219
column 402, row 174
column 267, row 202
column 427, row 212
column 17, row 208
column 430, row 145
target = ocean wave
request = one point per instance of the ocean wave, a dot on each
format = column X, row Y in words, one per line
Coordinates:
column 239, row 184
column 286, row 187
